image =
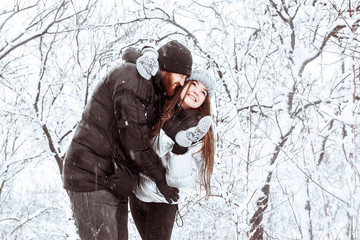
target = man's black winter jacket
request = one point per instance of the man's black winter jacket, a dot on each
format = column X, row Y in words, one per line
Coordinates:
column 115, row 130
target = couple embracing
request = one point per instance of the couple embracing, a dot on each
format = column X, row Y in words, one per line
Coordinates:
column 144, row 136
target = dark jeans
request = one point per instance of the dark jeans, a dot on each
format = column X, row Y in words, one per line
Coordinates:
column 153, row 220
column 100, row 215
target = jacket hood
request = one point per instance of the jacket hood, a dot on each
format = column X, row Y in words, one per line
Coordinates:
column 131, row 54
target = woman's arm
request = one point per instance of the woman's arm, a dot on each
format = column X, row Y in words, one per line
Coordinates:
column 177, row 148
column 181, row 169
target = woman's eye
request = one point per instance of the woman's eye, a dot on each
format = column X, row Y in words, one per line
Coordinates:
column 204, row 93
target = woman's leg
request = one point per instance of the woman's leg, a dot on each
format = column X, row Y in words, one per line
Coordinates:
column 139, row 212
column 160, row 221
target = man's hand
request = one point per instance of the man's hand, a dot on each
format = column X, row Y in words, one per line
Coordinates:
column 170, row 193
column 186, row 137
column 121, row 183
column 147, row 64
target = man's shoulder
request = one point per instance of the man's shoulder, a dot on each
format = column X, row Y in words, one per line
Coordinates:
column 125, row 77
column 127, row 72
column 124, row 68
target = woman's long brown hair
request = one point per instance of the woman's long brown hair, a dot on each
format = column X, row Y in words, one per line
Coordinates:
column 207, row 151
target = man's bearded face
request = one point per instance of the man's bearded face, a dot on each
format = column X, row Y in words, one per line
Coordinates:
column 171, row 81
column 168, row 82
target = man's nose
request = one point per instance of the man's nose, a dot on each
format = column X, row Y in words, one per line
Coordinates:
column 182, row 80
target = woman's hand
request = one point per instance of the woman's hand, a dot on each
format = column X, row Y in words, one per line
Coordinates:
column 186, row 137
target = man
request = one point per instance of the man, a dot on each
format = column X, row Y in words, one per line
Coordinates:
column 111, row 143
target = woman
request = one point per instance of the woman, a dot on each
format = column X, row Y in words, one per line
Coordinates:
column 183, row 160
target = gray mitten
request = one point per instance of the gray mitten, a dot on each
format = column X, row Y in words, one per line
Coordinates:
column 147, row 64
column 186, row 137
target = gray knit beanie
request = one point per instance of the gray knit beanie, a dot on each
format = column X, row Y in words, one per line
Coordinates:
column 205, row 78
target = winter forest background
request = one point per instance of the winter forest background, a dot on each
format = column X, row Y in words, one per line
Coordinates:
column 286, row 110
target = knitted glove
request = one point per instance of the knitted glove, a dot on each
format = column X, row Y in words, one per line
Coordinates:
column 121, row 183
column 147, row 65
column 186, row 137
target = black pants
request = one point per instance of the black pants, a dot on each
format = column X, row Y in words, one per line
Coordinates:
column 153, row 220
column 100, row 215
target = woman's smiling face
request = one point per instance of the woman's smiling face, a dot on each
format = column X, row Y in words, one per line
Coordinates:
column 195, row 96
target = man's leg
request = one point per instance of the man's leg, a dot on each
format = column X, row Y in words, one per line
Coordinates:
column 100, row 215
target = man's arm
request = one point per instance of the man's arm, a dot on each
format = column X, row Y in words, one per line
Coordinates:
column 130, row 109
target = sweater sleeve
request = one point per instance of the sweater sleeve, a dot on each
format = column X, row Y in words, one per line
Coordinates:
column 182, row 169
column 163, row 145
column 184, row 120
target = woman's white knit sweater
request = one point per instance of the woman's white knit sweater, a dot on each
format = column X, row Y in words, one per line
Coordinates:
column 181, row 170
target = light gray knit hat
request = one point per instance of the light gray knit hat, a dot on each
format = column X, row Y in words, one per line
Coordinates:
column 205, row 78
